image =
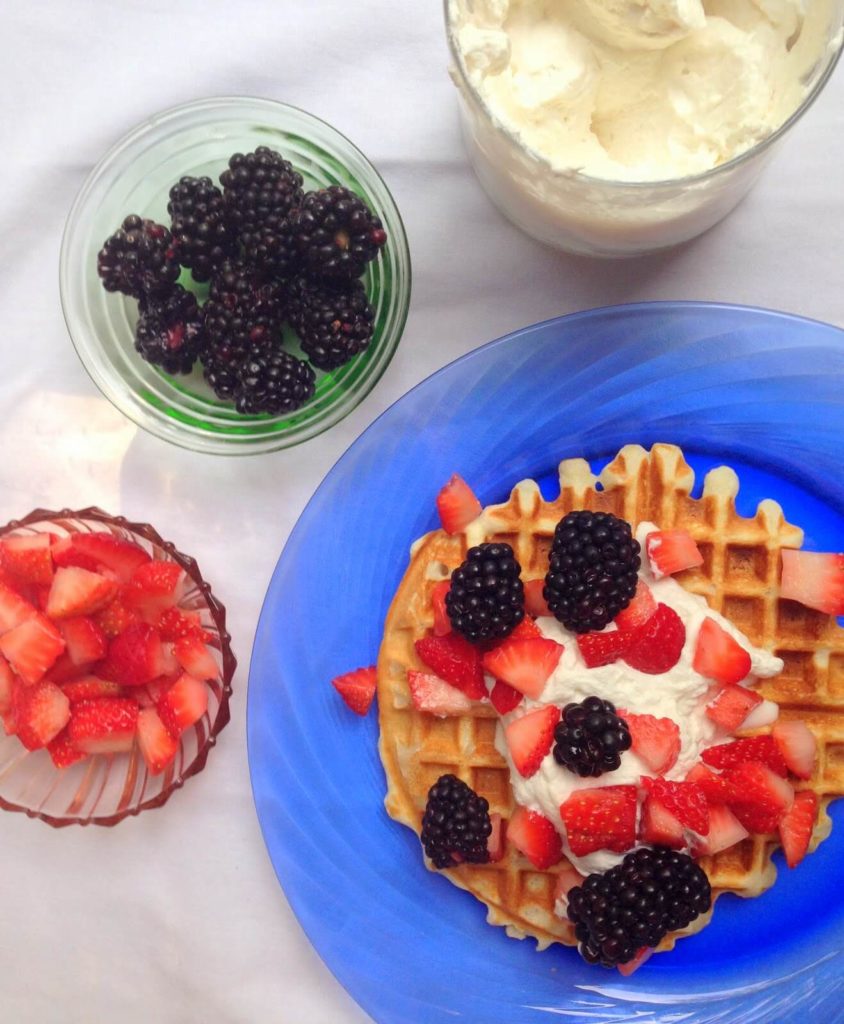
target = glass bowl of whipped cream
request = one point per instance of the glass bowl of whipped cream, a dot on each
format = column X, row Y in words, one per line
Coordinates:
column 619, row 127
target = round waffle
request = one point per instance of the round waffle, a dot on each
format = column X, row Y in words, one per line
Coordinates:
column 739, row 578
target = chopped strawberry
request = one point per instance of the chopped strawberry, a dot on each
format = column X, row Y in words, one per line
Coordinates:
column 158, row 747
column 798, row 746
column 504, row 697
column 657, row 645
column 28, row 558
column 148, row 696
column 659, row 826
column 725, row 830
column 527, row 629
column 760, row 796
column 63, row 670
column 671, row 551
column 534, row 835
column 32, row 647
column 120, row 557
column 600, row 819
column 715, row 788
column 732, row 706
column 630, row 966
column 815, row 579
column 457, row 505
column 496, row 841
column 9, row 722
column 84, row 641
column 7, row 679
column 78, row 591
column 655, row 740
column 154, row 587
column 175, row 624
column 135, row 657
column 115, row 617
column 63, row 751
column 718, row 656
column 797, row 825
column 535, row 603
column 529, row 738
column 183, row 704
column 63, row 553
column 357, row 688
column 524, row 664
column 685, row 800
column 604, row 648
column 640, row 609
column 89, row 688
column 13, row 609
column 432, row 694
column 568, row 877
column 41, row 712
column 103, row 726
column 456, row 661
column 442, row 623
column 756, row 748
column 195, row 658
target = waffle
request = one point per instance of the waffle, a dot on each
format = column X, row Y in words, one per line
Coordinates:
column 739, row 577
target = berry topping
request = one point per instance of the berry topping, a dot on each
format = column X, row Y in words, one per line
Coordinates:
column 336, row 234
column 457, row 505
column 685, row 800
column 533, row 835
column 725, row 830
column 442, row 623
column 592, row 572
column 797, row 825
column 32, row 647
column 456, row 661
column 357, row 688
column 496, row 843
column 154, row 587
column 183, row 704
column 815, row 579
column 504, row 697
column 529, row 738
column 174, row 624
column 718, row 656
column 486, row 599
column 760, row 796
column 456, row 822
column 535, row 603
column 77, row 591
column 732, row 706
column 136, row 656
column 655, row 740
column 640, row 609
column 13, row 609
column 671, row 551
column 798, row 746
column 85, row 642
column 139, row 259
column 600, row 819
column 635, row 904
column 103, row 726
column 158, row 747
column 659, row 827
column 604, row 648
column 591, row 738
column 170, row 332
column 202, row 234
column 658, row 644
column 41, row 712
column 432, row 694
column 28, row 558
column 757, row 748
column 714, row 787
column 90, row 687
column 524, row 664
column 334, row 323
column 195, row 658
column 101, row 551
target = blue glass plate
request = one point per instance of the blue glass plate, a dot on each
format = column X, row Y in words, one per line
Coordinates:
column 760, row 391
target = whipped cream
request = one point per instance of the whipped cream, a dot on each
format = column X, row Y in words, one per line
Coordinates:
column 680, row 694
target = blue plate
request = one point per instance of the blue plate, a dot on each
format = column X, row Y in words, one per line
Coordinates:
column 760, row 391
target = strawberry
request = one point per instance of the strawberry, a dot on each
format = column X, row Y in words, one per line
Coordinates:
column 757, row 748
column 85, row 642
column 13, row 609
column 9, row 723
column 568, row 877
column 148, row 696
column 89, row 688
column 815, row 579
column 524, row 664
column 600, row 819
column 457, row 505
column 527, row 629
column 718, row 656
column 640, row 609
column 715, row 788
column 175, row 624
column 357, row 688
column 63, row 670
column 797, row 825
column 135, row 657
column 535, row 603
column 28, row 558
column 671, row 551
column 798, row 746
column 685, row 800
column 760, row 796
column 732, row 706
column 504, row 698
column 195, row 658
column 184, row 704
column 456, row 661
column 496, row 841
column 63, row 554
column 103, row 726
column 630, row 966
column 77, row 591
column 725, row 830
column 7, row 679
column 442, row 623
column 659, row 826
column 154, row 587
column 432, row 694
column 657, row 645
column 32, row 647
column 604, row 648
column 529, row 738
column 41, row 712
column 120, row 557
column 655, row 740
column 63, row 751
column 533, row 835
column 157, row 746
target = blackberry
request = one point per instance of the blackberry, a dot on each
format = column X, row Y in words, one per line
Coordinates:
column 237, row 285
column 273, row 382
column 456, row 821
column 260, row 190
column 590, row 738
column 592, row 573
column 336, row 234
column 486, row 600
column 170, row 331
column 233, row 335
column 652, row 892
column 333, row 324
column 200, row 225
column 138, row 259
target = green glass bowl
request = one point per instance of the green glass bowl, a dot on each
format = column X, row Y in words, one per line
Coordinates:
column 135, row 176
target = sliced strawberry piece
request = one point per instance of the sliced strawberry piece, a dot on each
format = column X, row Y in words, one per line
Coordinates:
column 600, row 819
column 604, row 648
column 671, row 551
column 13, row 609
column 154, row 587
column 7, row 679
column 357, row 688
column 658, row 644
column 567, row 878
column 725, row 830
column 715, row 788
column 535, row 603
column 732, row 706
column 434, row 695
column 640, row 609
column 103, row 726
column 496, row 842
column 63, row 670
column 456, row 661
column 685, row 800
column 120, row 557
column 28, row 558
column 533, row 835
column 504, row 697
column 136, row 656
column 32, row 647
column 797, row 825
column 457, row 505
column 631, row 966
column 524, row 664
column 148, row 696
column 183, row 704
column 195, row 658
column 718, row 656
column 89, row 688
column 158, row 747
column 63, row 751
column 442, row 623
column 85, row 642
column 77, row 591
column 175, row 624
column 115, row 618
column 527, row 629
column 659, row 826
column 530, row 737
column 815, row 579
column 41, row 712
column 756, row 748
column 798, row 746
column 655, row 740
column 760, row 796
column 64, row 554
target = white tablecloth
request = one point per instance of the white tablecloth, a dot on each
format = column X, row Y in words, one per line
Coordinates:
column 176, row 916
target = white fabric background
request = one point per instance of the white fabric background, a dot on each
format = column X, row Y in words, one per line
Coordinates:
column 177, row 916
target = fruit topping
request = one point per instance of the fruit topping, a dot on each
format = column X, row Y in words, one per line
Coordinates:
column 760, row 796
column 77, row 591
column 154, row 586
column 600, row 819
column 592, row 573
column 534, row 836
column 183, row 704
column 640, row 609
column 815, row 579
column 658, row 644
column 525, row 664
column 103, row 726
column 158, row 747
column 716, row 788
column 504, row 697
column 442, row 623
column 85, row 642
column 756, row 748
column 535, row 603
column 28, row 559
column 175, row 624
column 456, row 824
column 333, row 323
column 732, row 706
column 102, row 551
column 170, row 332
column 598, row 649
column 434, row 695
column 7, row 678
column 136, row 656
column 195, row 658
column 457, row 505
column 718, row 656
column 655, row 740
column 63, row 751
column 529, row 738
column 591, row 738
column 685, row 800
column 496, row 844
column 32, row 647
column 139, row 259
column 114, row 618
column 798, row 746
column 90, row 687
column 357, row 688
column 671, row 551
column 566, row 879
column 659, row 827
column 796, row 826
column 13, row 609
column 725, row 830
column 456, row 661
column 336, row 234
column 201, row 229
column 41, row 712
column 486, row 599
